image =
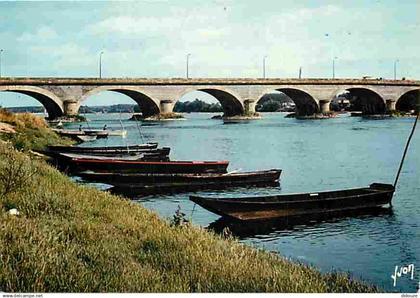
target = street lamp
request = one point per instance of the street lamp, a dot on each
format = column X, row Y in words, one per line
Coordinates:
column 333, row 67
column 265, row 57
column 188, row 61
column 1, row 51
column 395, row 68
column 100, row 64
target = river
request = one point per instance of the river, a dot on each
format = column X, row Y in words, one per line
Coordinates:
column 315, row 155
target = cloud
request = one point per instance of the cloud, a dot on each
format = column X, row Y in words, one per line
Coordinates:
column 225, row 38
column 42, row 34
column 128, row 25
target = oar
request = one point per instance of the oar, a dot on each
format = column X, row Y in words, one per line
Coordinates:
column 408, row 143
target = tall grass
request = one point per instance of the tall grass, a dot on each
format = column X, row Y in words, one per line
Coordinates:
column 32, row 132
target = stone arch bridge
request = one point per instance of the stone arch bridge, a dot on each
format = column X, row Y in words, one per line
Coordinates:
column 64, row 96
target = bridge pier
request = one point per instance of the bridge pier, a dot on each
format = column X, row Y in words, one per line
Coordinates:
column 324, row 106
column 391, row 105
column 71, row 107
column 166, row 106
column 249, row 107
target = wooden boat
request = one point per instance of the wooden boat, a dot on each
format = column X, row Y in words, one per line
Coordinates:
column 111, row 153
column 110, row 150
column 280, row 206
column 277, row 206
column 139, row 182
column 84, row 138
column 108, row 132
column 70, row 156
column 64, row 161
column 124, row 166
column 99, row 133
column 80, row 135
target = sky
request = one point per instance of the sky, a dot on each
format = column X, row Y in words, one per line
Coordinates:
column 225, row 38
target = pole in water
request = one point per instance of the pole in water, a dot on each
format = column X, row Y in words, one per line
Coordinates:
column 86, row 119
column 125, row 141
column 406, row 145
column 138, row 128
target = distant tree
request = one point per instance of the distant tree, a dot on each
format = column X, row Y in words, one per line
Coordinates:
column 269, row 106
column 197, row 106
column 272, row 102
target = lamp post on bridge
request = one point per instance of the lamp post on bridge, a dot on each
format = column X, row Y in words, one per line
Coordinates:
column 333, row 67
column 1, row 51
column 100, row 64
column 395, row 68
column 265, row 57
column 188, row 62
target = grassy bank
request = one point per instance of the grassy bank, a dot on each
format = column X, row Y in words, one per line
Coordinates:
column 32, row 132
column 73, row 238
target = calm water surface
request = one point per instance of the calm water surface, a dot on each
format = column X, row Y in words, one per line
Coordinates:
column 315, row 155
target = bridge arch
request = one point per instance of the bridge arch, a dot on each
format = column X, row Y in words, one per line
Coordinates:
column 231, row 104
column 407, row 101
column 305, row 103
column 147, row 104
column 52, row 104
column 365, row 99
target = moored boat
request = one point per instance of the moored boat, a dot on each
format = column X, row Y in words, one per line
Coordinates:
column 102, row 148
column 144, row 182
column 65, row 161
column 80, row 135
column 124, row 166
column 109, row 150
column 107, row 132
column 100, row 134
column 83, row 138
column 278, row 206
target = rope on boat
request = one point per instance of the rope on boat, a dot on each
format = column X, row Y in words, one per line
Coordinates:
column 406, row 146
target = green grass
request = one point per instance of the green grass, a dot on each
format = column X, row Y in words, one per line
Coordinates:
column 33, row 132
column 74, row 238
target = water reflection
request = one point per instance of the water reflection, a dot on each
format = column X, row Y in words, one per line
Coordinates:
column 286, row 226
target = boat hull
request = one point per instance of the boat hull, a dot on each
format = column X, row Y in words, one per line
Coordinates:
column 158, row 183
column 122, row 166
column 270, row 207
column 104, row 150
column 109, row 153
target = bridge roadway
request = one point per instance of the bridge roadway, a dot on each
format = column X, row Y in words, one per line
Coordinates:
column 238, row 96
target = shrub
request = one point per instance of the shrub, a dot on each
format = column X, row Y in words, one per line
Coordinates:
column 15, row 171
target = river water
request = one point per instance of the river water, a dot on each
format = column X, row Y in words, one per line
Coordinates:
column 315, row 155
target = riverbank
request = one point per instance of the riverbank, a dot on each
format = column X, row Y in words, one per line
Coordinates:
column 73, row 238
